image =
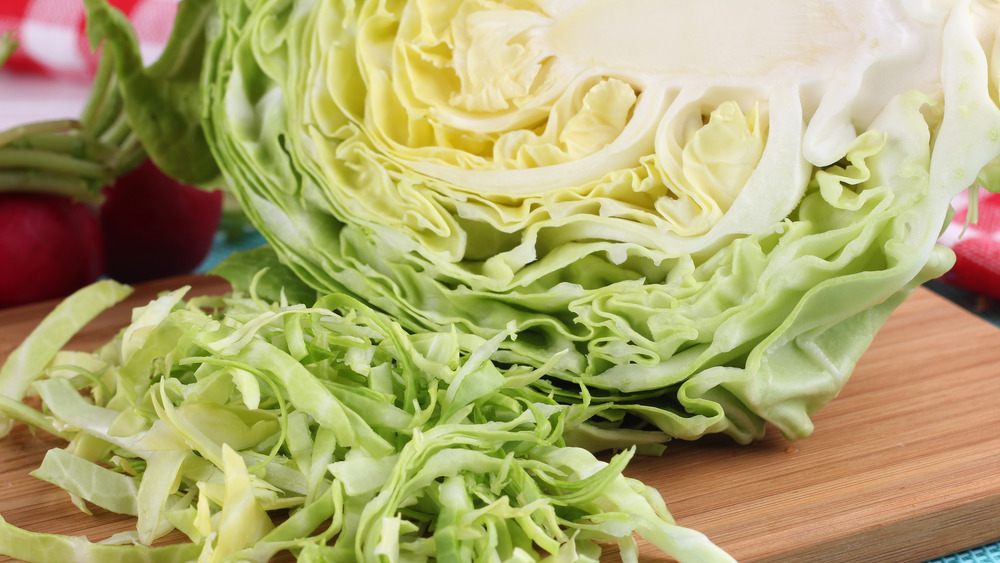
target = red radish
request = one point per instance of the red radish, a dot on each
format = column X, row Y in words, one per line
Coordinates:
column 977, row 266
column 156, row 227
column 50, row 245
column 977, row 250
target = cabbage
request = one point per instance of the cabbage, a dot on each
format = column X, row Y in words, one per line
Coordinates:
column 502, row 236
column 255, row 427
column 700, row 212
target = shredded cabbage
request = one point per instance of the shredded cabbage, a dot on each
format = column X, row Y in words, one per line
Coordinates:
column 214, row 416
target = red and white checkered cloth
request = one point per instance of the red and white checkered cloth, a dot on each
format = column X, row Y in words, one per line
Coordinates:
column 51, row 37
column 52, row 41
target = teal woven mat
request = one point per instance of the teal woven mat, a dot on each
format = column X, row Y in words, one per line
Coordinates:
column 986, row 554
column 225, row 244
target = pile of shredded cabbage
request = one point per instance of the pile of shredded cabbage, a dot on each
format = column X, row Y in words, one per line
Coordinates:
column 215, row 415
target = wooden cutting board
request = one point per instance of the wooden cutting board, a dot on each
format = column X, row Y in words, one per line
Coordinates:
column 903, row 466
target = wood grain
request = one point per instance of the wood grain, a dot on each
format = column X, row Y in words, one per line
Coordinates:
column 903, row 466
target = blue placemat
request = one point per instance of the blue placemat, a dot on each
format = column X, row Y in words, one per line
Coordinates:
column 228, row 242
column 986, row 554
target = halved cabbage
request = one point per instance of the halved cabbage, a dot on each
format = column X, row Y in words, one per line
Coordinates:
column 704, row 210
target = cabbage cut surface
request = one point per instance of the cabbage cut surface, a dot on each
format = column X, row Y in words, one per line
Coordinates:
column 703, row 210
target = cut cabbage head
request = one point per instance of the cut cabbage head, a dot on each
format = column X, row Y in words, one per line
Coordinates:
column 697, row 213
